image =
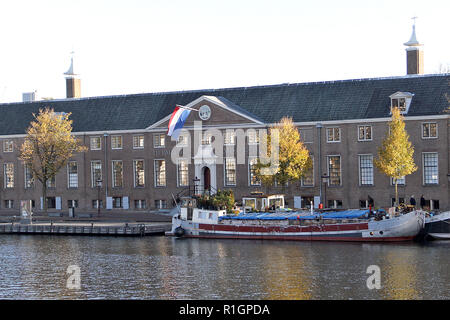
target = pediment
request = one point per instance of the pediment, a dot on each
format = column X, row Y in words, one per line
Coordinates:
column 223, row 112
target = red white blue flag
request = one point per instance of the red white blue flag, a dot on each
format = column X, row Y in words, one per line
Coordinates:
column 177, row 121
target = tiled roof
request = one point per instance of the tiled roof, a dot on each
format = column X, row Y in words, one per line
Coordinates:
column 317, row 101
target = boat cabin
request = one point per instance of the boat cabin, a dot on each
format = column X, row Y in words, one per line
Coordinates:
column 190, row 211
column 258, row 201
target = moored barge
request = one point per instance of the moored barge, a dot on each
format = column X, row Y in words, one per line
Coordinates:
column 349, row 225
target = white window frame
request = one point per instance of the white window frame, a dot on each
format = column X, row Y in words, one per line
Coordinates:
column 100, row 144
column 138, row 137
column 28, row 184
column 159, row 145
column 250, row 159
column 229, row 135
column 313, row 177
column 359, row 169
column 400, row 181
column 142, row 203
column 5, row 175
column 428, row 123
column 252, row 136
column 340, row 170
column 154, row 173
column 93, row 180
column 225, row 182
column 182, row 140
column 68, row 175
column 365, row 126
column 113, row 182
column 112, row 142
column 8, row 146
column 423, row 169
column 178, row 172
column 328, row 135
column 135, row 173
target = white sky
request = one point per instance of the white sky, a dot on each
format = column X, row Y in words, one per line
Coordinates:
column 134, row 46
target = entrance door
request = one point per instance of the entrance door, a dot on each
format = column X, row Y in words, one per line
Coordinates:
column 206, row 178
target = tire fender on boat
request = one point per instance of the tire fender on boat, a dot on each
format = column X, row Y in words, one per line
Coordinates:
column 179, row 232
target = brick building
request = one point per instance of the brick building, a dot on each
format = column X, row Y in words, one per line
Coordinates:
column 341, row 122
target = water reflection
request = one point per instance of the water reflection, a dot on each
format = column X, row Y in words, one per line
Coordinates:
column 34, row 267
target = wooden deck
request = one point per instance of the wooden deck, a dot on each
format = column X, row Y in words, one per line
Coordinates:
column 111, row 229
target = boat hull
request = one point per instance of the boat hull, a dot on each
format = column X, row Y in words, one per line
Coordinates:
column 436, row 227
column 401, row 228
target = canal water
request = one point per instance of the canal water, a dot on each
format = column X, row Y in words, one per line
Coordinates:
column 35, row 267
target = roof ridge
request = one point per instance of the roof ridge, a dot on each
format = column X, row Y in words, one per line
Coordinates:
column 212, row 90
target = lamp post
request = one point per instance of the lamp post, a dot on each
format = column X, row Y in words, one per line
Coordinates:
column 99, row 186
column 325, row 179
column 195, row 180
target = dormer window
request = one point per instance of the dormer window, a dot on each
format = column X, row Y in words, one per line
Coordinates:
column 401, row 100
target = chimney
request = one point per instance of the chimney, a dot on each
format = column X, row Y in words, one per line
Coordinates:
column 73, row 83
column 30, row 96
column 414, row 53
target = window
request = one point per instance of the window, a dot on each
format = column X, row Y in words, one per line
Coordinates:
column 253, row 178
column 364, row 133
column 336, row 204
column 230, row 172
column 253, row 137
column 96, row 143
column 206, row 138
column 399, row 103
column 72, row 174
column 400, row 200
column 230, row 137
column 430, row 168
column 8, row 146
column 160, row 204
column 97, row 203
column 400, row 181
column 160, row 173
column 51, row 183
column 429, row 130
column 9, row 204
column 159, row 140
column 139, row 173
column 51, row 202
column 117, row 173
column 139, row 204
column 9, row 175
column 138, row 141
column 96, row 172
column 308, row 178
column 366, row 170
column 182, row 140
column 334, row 170
column 333, row 134
column 183, row 173
column 116, row 142
column 29, row 181
column 401, row 100
column 72, row 203
column 117, row 202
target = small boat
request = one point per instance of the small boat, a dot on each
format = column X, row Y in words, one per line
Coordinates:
column 349, row 225
column 437, row 226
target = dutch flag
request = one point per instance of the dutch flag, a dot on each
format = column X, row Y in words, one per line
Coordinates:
column 176, row 121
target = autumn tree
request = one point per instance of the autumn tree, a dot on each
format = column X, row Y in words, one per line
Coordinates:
column 48, row 146
column 293, row 157
column 395, row 156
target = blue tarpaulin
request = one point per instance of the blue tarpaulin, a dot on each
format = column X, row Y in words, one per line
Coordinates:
column 294, row 215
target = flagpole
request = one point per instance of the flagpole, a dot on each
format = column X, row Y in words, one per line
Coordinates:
column 187, row 108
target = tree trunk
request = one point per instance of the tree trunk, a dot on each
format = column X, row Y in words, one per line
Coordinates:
column 44, row 197
column 396, row 193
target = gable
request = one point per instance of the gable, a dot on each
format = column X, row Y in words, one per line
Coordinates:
column 222, row 113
